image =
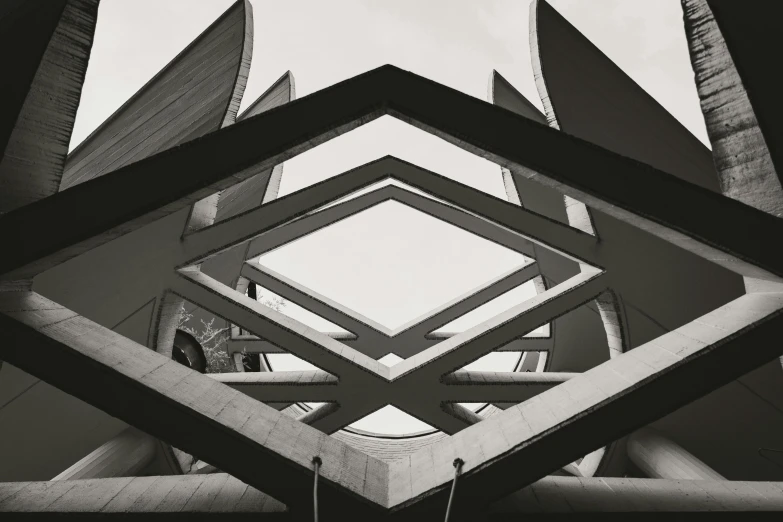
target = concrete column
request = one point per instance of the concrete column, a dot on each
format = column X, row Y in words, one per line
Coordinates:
column 659, row 457
column 126, row 455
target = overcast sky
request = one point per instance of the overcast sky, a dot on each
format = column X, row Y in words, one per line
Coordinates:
column 454, row 42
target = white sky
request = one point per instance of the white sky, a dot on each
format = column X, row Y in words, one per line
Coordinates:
column 454, row 42
column 393, row 256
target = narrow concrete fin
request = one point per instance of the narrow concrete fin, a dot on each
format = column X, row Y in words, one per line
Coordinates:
column 503, row 94
column 279, row 93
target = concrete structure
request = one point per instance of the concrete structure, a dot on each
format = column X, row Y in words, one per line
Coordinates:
column 663, row 314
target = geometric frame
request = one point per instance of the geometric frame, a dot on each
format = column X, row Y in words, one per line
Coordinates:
column 747, row 326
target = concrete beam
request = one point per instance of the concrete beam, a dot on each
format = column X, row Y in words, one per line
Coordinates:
column 552, row 498
column 467, row 346
column 182, row 407
column 301, row 386
column 305, row 342
column 659, row 457
column 221, row 497
column 217, row 496
column 596, row 407
column 514, row 387
column 366, row 97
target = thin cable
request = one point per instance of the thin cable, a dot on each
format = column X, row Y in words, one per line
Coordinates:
column 457, row 467
column 317, row 463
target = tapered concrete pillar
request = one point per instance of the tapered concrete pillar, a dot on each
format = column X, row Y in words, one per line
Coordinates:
column 659, row 457
column 126, row 455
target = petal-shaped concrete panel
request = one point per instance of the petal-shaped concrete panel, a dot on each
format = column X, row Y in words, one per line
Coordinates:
column 588, row 96
column 40, row 101
column 198, row 92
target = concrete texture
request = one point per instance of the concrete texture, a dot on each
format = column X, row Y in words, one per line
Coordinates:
column 222, row 497
column 751, row 36
column 36, row 147
column 740, row 152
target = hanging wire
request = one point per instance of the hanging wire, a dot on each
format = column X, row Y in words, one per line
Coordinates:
column 317, row 464
column 457, row 467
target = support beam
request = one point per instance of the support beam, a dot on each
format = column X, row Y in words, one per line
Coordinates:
column 553, row 498
column 305, row 342
column 126, row 455
column 513, row 387
column 354, row 102
column 298, row 386
column 599, row 406
column 220, row 497
column 659, row 457
column 467, row 346
column 217, row 496
column 183, row 407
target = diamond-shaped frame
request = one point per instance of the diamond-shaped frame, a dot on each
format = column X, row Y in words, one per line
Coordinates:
column 538, row 436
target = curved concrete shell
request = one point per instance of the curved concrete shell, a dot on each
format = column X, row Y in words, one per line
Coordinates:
column 44, row 98
column 198, row 92
column 586, row 95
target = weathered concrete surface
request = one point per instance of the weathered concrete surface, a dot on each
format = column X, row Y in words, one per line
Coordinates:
column 35, row 138
column 196, row 93
column 222, row 497
column 659, row 457
column 741, row 155
column 194, row 497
